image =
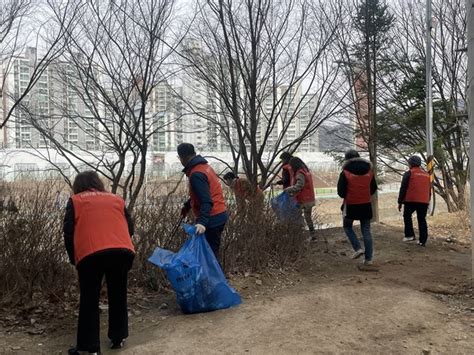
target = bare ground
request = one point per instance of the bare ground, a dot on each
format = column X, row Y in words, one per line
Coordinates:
column 415, row 301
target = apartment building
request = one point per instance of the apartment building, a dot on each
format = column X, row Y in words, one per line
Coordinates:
column 52, row 110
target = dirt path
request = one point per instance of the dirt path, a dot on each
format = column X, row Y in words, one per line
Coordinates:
column 410, row 306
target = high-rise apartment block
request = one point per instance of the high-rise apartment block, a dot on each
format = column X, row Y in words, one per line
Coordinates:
column 60, row 105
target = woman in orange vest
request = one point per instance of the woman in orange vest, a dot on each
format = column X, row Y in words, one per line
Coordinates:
column 97, row 235
column 415, row 194
column 356, row 185
column 303, row 190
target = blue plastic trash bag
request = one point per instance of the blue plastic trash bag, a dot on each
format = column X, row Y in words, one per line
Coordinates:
column 285, row 207
column 196, row 275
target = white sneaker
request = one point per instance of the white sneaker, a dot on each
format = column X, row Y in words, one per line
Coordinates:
column 408, row 239
column 368, row 262
column 358, row 254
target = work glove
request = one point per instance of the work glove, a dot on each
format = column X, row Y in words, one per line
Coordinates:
column 399, row 207
column 200, row 229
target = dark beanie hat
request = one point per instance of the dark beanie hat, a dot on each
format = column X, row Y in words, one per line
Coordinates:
column 286, row 156
column 351, row 153
column 414, row 160
column 186, row 150
column 229, row 175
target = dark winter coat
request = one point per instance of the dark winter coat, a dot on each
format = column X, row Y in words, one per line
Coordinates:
column 357, row 166
column 285, row 179
column 200, row 186
column 404, row 186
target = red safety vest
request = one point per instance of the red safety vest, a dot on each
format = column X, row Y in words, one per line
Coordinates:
column 99, row 223
column 215, row 190
column 358, row 188
column 419, row 186
column 287, row 168
column 307, row 194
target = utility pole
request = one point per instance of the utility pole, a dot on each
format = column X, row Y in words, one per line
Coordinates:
column 429, row 100
column 470, row 112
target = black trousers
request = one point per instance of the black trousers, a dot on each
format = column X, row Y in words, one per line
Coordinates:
column 213, row 237
column 114, row 264
column 421, row 210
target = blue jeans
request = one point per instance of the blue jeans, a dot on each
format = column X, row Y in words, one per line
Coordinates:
column 365, row 229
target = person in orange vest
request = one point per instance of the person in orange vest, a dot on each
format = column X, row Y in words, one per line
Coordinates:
column 356, row 185
column 206, row 197
column 243, row 190
column 286, row 172
column 97, row 236
column 303, row 190
column 415, row 194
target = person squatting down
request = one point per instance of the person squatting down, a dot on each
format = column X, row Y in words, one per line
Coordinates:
column 206, row 197
column 243, row 191
column 97, row 236
column 356, row 185
column 303, row 190
column 415, row 195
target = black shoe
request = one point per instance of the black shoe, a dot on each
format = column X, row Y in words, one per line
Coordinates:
column 117, row 344
column 74, row 351
column 421, row 244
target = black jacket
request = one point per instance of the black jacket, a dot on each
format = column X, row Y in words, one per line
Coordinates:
column 285, row 179
column 357, row 166
column 68, row 228
column 404, row 187
column 200, row 186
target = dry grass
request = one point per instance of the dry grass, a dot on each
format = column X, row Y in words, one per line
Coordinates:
column 32, row 257
column 33, row 260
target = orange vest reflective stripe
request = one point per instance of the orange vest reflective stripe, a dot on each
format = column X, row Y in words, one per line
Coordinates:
column 215, row 190
column 358, row 188
column 99, row 223
column 287, row 168
column 419, row 186
column 307, row 194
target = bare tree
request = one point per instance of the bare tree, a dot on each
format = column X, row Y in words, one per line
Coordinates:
column 268, row 74
column 404, row 95
column 11, row 15
column 114, row 60
column 19, row 29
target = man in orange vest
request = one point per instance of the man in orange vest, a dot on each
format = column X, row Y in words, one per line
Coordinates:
column 356, row 185
column 286, row 172
column 206, row 198
column 415, row 194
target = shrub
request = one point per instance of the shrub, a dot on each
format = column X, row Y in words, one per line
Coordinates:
column 33, row 259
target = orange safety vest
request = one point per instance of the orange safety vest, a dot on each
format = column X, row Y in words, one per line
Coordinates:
column 289, row 170
column 215, row 189
column 358, row 188
column 99, row 223
column 243, row 189
column 419, row 186
column 307, row 194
